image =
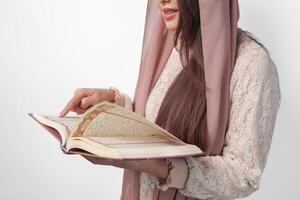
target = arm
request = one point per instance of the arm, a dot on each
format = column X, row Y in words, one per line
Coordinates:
column 236, row 173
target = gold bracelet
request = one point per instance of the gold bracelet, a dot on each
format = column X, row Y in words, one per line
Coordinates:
column 117, row 93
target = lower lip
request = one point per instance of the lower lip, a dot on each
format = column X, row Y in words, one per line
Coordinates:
column 169, row 16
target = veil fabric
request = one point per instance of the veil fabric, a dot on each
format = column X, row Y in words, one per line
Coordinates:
column 219, row 28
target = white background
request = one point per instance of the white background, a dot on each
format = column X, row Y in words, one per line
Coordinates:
column 48, row 48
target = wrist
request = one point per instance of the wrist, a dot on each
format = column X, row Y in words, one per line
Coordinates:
column 115, row 94
column 177, row 175
column 111, row 95
column 156, row 167
column 164, row 169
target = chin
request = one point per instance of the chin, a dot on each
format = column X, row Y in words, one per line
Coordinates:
column 172, row 26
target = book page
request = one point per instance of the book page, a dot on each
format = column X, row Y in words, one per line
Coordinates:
column 69, row 122
column 60, row 128
column 107, row 119
column 106, row 124
column 137, row 147
column 156, row 150
column 116, row 140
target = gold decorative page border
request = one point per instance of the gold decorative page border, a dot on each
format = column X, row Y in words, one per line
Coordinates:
column 88, row 118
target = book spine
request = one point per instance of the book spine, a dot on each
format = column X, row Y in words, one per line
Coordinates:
column 63, row 148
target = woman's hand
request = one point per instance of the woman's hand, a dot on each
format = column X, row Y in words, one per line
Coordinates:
column 156, row 167
column 86, row 97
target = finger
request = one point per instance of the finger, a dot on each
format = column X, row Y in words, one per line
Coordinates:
column 90, row 101
column 96, row 160
column 74, row 102
column 66, row 109
column 78, row 110
column 70, row 105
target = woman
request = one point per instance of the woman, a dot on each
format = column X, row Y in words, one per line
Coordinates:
column 207, row 82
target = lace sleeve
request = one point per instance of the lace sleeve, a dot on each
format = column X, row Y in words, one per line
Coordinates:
column 127, row 101
column 236, row 173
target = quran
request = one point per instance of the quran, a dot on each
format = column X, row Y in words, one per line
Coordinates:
column 111, row 131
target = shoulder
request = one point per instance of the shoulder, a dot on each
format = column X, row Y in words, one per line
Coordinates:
column 253, row 57
column 254, row 67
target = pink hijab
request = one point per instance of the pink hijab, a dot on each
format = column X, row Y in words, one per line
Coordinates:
column 219, row 20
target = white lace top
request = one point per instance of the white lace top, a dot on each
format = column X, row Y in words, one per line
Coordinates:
column 255, row 93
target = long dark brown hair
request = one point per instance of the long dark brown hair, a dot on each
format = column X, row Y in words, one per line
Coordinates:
column 183, row 109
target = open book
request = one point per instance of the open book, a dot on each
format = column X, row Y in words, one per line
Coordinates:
column 108, row 130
